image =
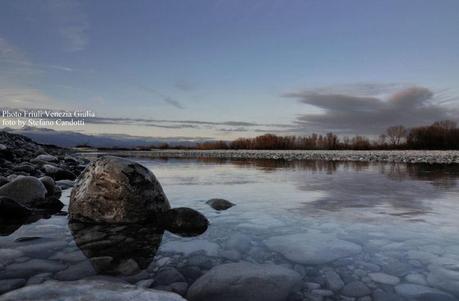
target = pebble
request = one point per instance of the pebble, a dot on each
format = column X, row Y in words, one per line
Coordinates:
column 384, row 278
column 356, row 289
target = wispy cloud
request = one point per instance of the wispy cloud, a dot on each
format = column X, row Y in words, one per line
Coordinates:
column 357, row 114
column 72, row 22
column 165, row 98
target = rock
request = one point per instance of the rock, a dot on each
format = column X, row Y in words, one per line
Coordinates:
column 9, row 255
column 232, row 255
column 220, row 204
column 416, row 278
column 3, row 181
column 185, row 221
column 380, row 295
column 94, row 290
column 65, row 184
column 39, row 278
column 384, row 278
column 51, row 188
column 25, row 167
column 244, row 281
column 128, row 267
column 333, row 280
column 355, row 289
column 239, row 242
column 444, row 274
column 312, row 248
column 414, row 291
column 47, row 158
column 58, row 173
column 178, row 288
column 188, row 247
column 10, row 209
column 10, row 284
column 168, row 276
column 27, row 191
column 435, row 297
column 116, row 190
column 76, row 272
column 30, row 268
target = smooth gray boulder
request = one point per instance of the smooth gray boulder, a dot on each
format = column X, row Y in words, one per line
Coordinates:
column 117, row 190
column 94, row 290
column 27, row 191
column 185, row 221
column 220, row 204
column 244, row 281
column 312, row 248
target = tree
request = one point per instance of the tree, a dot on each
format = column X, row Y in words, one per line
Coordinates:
column 396, row 134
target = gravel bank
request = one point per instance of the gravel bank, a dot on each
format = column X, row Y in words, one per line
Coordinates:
column 411, row 156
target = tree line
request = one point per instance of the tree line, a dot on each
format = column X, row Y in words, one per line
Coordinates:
column 440, row 135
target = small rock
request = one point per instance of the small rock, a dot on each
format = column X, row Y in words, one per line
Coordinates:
column 168, row 276
column 185, row 221
column 333, row 280
column 220, row 204
column 47, row 158
column 27, row 191
column 356, row 289
column 239, row 242
column 384, row 278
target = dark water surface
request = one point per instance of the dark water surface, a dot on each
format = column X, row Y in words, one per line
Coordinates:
column 391, row 227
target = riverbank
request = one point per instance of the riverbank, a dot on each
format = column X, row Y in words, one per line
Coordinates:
column 403, row 156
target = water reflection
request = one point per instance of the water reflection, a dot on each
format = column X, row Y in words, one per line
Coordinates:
column 117, row 249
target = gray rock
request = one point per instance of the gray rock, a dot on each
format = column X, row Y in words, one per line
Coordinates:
column 116, row 190
column 39, row 278
column 231, row 255
column 58, row 173
column 76, row 272
column 65, row 184
column 239, row 242
column 409, row 290
column 10, row 209
column 191, row 246
column 179, row 288
column 128, row 267
column 380, row 295
column 384, row 278
column 244, row 281
column 30, row 268
column 444, row 274
column 312, row 248
column 416, row 278
column 94, row 290
column 435, row 297
column 333, row 280
column 10, row 284
column 220, row 204
column 47, row 158
column 9, row 255
column 27, row 191
column 356, row 289
column 168, row 275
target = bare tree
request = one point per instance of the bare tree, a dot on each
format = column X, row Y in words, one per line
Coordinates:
column 396, row 134
column 446, row 124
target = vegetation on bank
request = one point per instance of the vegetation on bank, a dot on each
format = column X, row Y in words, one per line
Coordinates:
column 440, row 135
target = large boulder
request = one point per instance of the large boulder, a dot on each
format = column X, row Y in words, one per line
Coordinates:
column 27, row 191
column 117, row 190
column 94, row 290
column 245, row 281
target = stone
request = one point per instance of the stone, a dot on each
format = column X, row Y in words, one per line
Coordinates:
column 414, row 291
column 51, row 189
column 179, row 288
column 231, row 255
column 220, row 204
column 333, row 280
column 416, row 278
column 239, row 242
column 188, row 247
column 384, row 278
column 117, row 190
column 10, row 284
column 25, row 190
column 65, row 184
column 312, row 248
column 30, row 268
column 185, row 221
column 39, row 278
column 76, row 272
column 9, row 255
column 58, row 173
column 380, row 295
column 444, row 274
column 356, row 289
column 10, row 209
column 168, row 275
column 243, row 282
column 47, row 158
column 94, row 290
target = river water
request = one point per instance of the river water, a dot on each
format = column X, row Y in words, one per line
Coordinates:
column 392, row 228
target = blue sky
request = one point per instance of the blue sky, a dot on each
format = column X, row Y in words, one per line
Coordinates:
column 226, row 69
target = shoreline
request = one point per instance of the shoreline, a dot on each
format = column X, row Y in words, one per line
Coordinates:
column 389, row 156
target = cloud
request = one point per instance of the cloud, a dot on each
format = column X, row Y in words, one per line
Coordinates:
column 165, row 98
column 19, row 97
column 357, row 114
column 184, row 85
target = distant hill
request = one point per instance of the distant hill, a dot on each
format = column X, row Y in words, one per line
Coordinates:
column 72, row 139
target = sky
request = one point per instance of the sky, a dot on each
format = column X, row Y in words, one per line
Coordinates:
column 235, row 68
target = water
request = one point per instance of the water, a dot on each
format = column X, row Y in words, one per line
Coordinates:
column 356, row 219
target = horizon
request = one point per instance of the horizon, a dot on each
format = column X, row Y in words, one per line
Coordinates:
column 222, row 70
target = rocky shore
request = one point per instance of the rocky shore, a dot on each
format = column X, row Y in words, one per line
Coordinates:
column 405, row 156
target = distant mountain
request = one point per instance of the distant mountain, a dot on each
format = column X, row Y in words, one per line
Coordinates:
column 72, row 139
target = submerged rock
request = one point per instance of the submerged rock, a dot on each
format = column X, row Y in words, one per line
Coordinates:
column 117, row 190
column 244, row 282
column 220, row 204
column 312, row 248
column 95, row 290
column 10, row 209
column 185, row 221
